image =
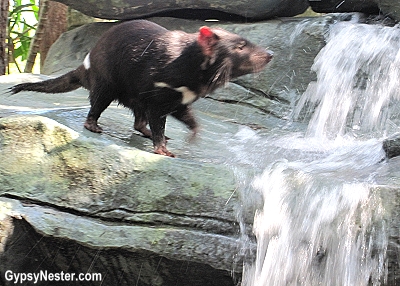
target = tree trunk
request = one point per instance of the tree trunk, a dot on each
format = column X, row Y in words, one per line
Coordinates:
column 3, row 35
column 34, row 47
column 56, row 25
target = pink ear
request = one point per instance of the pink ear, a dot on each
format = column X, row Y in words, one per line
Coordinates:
column 206, row 32
column 207, row 39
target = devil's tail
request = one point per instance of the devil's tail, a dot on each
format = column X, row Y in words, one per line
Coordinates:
column 67, row 82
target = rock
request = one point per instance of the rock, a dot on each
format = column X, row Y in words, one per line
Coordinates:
column 237, row 94
column 59, row 242
column 76, row 19
column 106, row 203
column 387, row 8
column 103, row 196
column 79, row 42
column 131, row 9
column 333, row 6
column 390, row 8
column 295, row 42
column 391, row 146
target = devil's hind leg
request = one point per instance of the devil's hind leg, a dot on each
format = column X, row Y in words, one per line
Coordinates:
column 101, row 97
column 141, row 120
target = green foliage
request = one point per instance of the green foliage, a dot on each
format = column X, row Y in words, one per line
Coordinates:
column 22, row 21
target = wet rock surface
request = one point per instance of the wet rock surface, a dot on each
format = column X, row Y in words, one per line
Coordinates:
column 391, row 146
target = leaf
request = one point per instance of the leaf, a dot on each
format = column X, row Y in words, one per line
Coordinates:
column 21, row 28
column 20, row 9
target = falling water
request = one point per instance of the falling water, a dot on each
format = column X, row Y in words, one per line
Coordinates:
column 358, row 75
column 318, row 227
column 323, row 220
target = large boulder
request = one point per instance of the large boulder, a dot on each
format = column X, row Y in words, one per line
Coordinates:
column 131, row 9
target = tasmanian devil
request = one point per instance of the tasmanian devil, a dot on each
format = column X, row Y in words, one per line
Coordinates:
column 156, row 72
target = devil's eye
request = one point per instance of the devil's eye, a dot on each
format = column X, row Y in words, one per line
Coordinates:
column 241, row 45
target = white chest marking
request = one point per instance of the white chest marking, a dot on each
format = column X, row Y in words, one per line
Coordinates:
column 86, row 62
column 188, row 96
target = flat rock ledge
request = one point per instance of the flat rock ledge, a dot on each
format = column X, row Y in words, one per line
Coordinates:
column 75, row 204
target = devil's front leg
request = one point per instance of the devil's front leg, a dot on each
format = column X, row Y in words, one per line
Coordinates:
column 184, row 113
column 157, row 122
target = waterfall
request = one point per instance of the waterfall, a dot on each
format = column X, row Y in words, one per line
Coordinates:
column 324, row 220
column 358, row 75
column 317, row 229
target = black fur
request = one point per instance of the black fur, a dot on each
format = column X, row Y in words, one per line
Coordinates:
column 150, row 69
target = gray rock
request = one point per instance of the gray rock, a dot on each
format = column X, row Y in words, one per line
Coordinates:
column 130, row 9
column 71, row 47
column 56, row 242
column 76, row 19
column 87, row 175
column 104, row 196
column 333, row 6
column 388, row 8
column 391, row 146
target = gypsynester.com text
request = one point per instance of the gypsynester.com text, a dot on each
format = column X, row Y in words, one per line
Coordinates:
column 45, row 276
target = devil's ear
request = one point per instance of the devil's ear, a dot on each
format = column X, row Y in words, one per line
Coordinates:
column 207, row 40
